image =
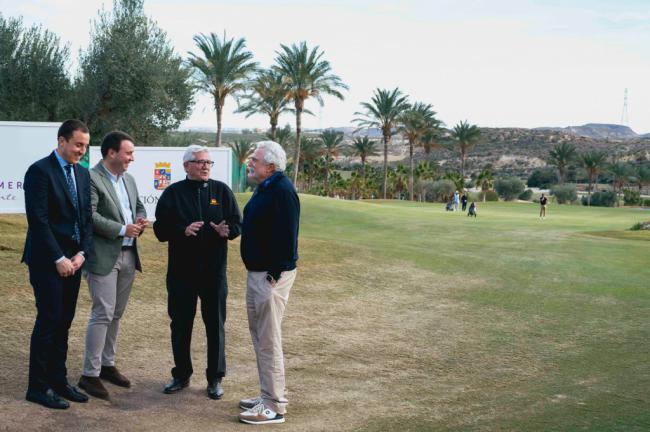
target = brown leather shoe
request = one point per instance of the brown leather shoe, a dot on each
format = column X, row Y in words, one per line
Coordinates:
column 112, row 375
column 94, row 387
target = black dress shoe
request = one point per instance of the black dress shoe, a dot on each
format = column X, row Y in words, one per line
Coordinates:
column 176, row 385
column 215, row 391
column 71, row 393
column 47, row 398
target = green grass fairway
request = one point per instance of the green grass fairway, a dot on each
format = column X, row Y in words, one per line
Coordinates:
column 403, row 317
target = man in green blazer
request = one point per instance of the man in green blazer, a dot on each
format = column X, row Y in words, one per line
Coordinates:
column 119, row 218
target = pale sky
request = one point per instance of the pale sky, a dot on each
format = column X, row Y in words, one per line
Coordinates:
column 495, row 63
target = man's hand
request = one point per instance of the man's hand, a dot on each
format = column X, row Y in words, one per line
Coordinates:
column 65, row 267
column 77, row 261
column 193, row 228
column 223, row 229
column 142, row 223
column 132, row 230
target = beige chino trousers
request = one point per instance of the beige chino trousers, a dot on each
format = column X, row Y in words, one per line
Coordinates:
column 109, row 294
column 265, row 305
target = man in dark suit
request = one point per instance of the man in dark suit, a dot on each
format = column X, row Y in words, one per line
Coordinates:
column 57, row 203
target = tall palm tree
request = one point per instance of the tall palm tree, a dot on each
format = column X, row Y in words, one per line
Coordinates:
column 363, row 147
column 332, row 145
column 593, row 162
column 268, row 96
column 485, row 180
column 382, row 112
column 414, row 122
column 466, row 136
column 561, row 155
column 242, row 149
column 620, row 176
column 223, row 68
column 306, row 74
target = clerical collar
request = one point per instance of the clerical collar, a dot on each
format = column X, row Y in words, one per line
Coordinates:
column 197, row 183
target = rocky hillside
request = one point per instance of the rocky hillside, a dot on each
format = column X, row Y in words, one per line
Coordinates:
column 519, row 151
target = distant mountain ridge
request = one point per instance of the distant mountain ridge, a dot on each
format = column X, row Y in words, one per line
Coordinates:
column 598, row 130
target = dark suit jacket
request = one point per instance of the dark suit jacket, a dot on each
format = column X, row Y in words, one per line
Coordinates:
column 51, row 214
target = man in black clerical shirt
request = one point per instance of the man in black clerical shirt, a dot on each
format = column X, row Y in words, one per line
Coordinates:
column 197, row 216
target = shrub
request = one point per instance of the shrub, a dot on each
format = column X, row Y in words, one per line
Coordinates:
column 631, row 197
column 640, row 226
column 478, row 196
column 646, row 202
column 526, row 195
column 564, row 193
column 601, row 199
column 491, row 196
column 542, row 178
column 509, row 188
column 440, row 190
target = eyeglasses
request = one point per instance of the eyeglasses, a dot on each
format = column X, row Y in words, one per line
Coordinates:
column 202, row 162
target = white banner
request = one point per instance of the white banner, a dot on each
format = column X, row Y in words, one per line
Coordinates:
column 24, row 143
column 155, row 168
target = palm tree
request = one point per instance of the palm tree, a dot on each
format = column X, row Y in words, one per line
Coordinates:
column 620, row 176
column 282, row 136
column 561, row 156
column 242, row 149
column 382, row 112
column 466, row 136
column 424, row 171
column 641, row 177
column 594, row 163
column 457, row 178
column 363, row 148
column 222, row 68
column 485, row 180
column 332, row 145
column 414, row 123
column 312, row 151
column 268, row 96
column 306, row 74
column 429, row 139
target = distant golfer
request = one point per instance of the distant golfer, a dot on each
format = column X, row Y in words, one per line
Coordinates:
column 456, row 200
column 542, row 206
column 472, row 209
column 463, row 201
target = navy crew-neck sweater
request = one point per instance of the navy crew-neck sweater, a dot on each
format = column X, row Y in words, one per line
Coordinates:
column 269, row 241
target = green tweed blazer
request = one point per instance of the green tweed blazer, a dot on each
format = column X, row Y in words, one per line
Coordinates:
column 108, row 220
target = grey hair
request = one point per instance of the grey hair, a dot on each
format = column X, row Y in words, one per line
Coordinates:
column 191, row 149
column 273, row 154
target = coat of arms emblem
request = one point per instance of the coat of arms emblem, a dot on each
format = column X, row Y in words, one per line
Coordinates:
column 162, row 175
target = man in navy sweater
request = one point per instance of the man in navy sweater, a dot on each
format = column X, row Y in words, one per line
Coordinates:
column 269, row 249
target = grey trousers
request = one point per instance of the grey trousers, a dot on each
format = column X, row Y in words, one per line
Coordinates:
column 265, row 306
column 109, row 294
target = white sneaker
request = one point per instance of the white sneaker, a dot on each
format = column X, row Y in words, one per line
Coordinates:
column 247, row 404
column 260, row 414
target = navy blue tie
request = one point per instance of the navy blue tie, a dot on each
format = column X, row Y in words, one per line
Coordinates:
column 73, row 193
